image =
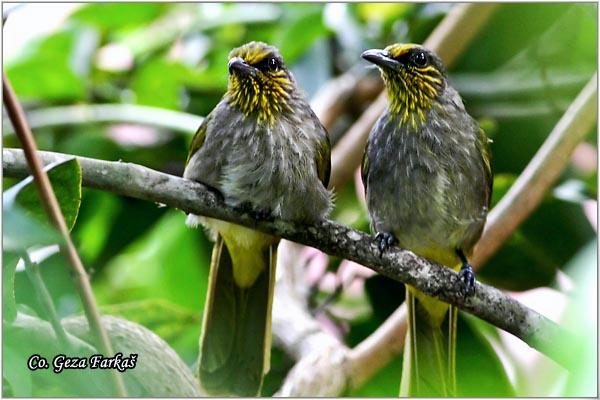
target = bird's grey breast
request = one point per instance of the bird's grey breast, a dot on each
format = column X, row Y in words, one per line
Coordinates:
column 271, row 167
column 423, row 183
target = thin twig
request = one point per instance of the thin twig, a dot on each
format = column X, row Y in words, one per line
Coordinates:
column 437, row 281
column 448, row 39
column 50, row 203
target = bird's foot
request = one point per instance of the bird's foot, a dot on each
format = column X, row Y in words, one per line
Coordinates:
column 385, row 240
column 263, row 215
column 257, row 214
column 466, row 277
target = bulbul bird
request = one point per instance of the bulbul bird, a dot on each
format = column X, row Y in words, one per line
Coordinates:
column 264, row 150
column 428, row 182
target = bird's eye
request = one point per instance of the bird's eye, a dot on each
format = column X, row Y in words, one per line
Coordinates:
column 273, row 65
column 419, row 59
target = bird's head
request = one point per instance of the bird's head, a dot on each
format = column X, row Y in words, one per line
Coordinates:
column 415, row 77
column 259, row 83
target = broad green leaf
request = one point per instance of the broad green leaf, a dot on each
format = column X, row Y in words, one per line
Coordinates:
column 65, row 178
column 519, row 265
column 382, row 11
column 97, row 214
column 162, row 317
column 158, row 83
column 169, row 262
column 533, row 19
column 300, row 33
column 26, row 223
column 50, row 68
column 386, row 383
column 558, row 229
column 385, row 295
column 30, row 335
column 22, row 230
column 549, row 237
column 9, row 306
column 479, row 371
column 582, row 318
column 502, row 183
column 19, row 380
column 116, row 16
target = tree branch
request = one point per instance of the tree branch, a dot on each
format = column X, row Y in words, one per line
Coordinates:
column 437, row 281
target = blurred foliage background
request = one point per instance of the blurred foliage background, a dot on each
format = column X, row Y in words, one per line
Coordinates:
column 517, row 78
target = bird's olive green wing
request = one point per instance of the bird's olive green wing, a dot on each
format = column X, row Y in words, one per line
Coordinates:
column 484, row 147
column 198, row 139
column 364, row 166
column 324, row 159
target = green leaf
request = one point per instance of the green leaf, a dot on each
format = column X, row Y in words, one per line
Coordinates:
column 9, row 304
column 19, row 381
column 479, row 371
column 169, row 262
column 158, row 83
column 300, row 33
column 116, row 16
column 167, row 320
column 581, row 318
column 48, row 69
column 22, row 231
column 385, row 295
column 553, row 234
column 386, row 383
column 383, row 12
column 502, row 183
column 519, row 265
column 26, row 223
column 65, row 178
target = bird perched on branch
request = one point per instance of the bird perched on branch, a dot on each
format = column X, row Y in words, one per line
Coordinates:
column 428, row 183
column 264, row 150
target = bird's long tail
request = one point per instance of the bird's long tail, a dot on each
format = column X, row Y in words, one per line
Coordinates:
column 235, row 343
column 429, row 366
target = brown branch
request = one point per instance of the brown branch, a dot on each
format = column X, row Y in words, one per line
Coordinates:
column 404, row 266
column 332, row 99
column 448, row 39
column 50, row 203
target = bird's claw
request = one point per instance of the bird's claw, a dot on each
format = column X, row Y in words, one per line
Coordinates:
column 466, row 277
column 263, row 215
column 257, row 214
column 385, row 240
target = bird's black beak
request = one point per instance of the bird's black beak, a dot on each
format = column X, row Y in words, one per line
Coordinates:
column 381, row 58
column 236, row 64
